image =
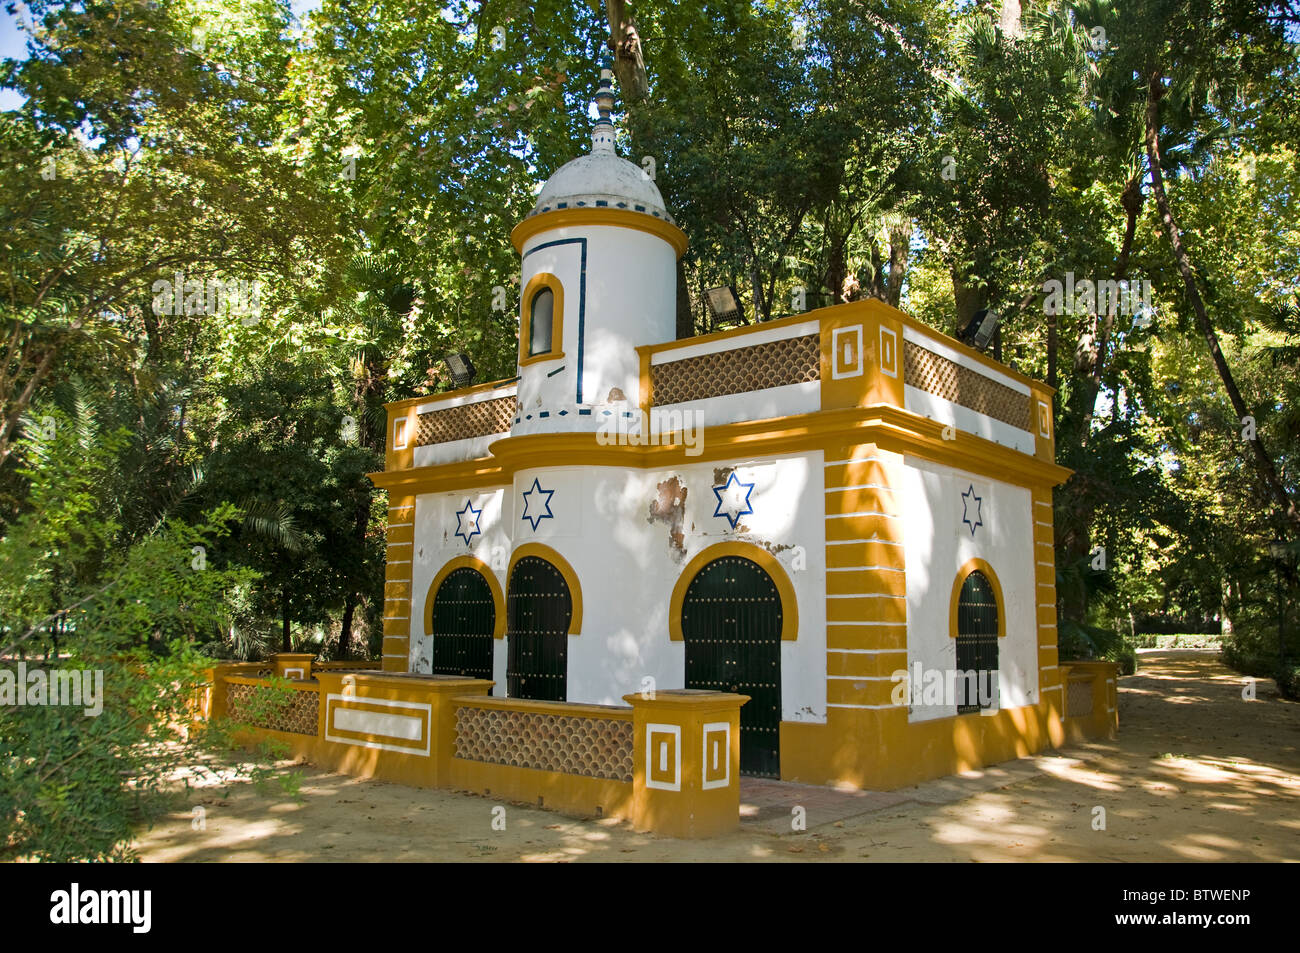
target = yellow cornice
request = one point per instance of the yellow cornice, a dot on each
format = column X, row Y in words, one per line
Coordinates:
column 888, row 427
column 449, row 394
column 618, row 217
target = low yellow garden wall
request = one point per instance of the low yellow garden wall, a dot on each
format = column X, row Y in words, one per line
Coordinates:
column 668, row 763
column 554, row 754
column 1091, row 700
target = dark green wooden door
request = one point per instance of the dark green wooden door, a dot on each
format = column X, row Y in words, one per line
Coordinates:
column 464, row 619
column 538, row 611
column 731, row 623
column 977, row 639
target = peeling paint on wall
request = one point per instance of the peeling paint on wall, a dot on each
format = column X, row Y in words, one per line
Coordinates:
column 669, row 506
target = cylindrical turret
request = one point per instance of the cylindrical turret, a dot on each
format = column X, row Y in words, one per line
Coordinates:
column 599, row 278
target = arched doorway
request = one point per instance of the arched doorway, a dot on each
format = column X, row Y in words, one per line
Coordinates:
column 462, row 623
column 731, row 622
column 539, row 609
column 977, row 641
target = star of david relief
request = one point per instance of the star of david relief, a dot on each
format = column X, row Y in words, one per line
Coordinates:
column 467, row 522
column 535, row 499
column 733, row 499
column 970, row 509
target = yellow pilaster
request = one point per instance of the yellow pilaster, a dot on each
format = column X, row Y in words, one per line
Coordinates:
column 686, row 757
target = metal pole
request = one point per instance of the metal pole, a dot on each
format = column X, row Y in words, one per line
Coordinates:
column 1281, row 618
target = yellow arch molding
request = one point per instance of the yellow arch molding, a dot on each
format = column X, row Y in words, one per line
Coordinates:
column 468, row 562
column 559, row 562
column 538, row 282
column 771, row 565
column 968, row 567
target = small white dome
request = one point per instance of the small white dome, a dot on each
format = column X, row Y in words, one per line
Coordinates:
column 601, row 180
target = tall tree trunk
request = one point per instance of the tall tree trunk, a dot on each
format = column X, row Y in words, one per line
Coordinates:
column 968, row 298
column 1264, row 463
column 877, row 287
column 837, row 272
column 756, row 284
column 1132, row 200
column 900, row 249
column 1076, row 541
column 685, row 319
column 1009, row 19
column 285, row 644
column 1225, row 608
column 368, row 395
column 345, row 632
column 625, row 45
column 350, row 601
column 1053, row 341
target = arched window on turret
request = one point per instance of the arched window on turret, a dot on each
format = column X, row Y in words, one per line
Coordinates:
column 540, row 322
column 542, row 319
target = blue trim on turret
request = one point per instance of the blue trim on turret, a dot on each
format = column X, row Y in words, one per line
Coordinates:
column 582, row 296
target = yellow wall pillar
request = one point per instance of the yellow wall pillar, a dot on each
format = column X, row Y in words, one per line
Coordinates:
column 686, row 757
column 397, row 581
column 295, row 665
column 392, row 727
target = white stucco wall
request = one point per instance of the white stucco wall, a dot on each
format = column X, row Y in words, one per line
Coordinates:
column 436, row 543
column 627, row 297
column 937, row 543
column 769, row 403
column 963, row 418
column 627, row 565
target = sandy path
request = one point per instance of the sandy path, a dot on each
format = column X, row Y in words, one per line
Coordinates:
column 1196, row 774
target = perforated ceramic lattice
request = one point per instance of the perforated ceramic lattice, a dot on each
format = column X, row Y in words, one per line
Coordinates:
column 1078, row 699
column 566, row 744
column 468, row 420
column 299, row 715
column 738, row 371
column 934, row 373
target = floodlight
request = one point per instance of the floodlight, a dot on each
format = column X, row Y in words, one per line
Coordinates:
column 723, row 303
column 979, row 331
column 461, row 368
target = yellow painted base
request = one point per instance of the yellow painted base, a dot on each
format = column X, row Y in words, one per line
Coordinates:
column 568, row 793
column 878, row 750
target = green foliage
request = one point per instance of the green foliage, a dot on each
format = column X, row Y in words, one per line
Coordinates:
column 1253, row 650
column 1189, row 640
column 74, row 784
column 264, row 707
column 366, row 167
column 1088, row 643
column 1288, row 681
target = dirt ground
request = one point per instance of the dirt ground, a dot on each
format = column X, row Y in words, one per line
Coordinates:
column 1196, row 774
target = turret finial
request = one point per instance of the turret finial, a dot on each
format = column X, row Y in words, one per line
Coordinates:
column 602, row 133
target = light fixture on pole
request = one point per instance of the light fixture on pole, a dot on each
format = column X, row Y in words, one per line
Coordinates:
column 461, row 368
column 979, row 331
column 1278, row 549
column 724, row 305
